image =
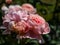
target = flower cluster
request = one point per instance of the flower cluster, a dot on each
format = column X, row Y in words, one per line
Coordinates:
column 25, row 21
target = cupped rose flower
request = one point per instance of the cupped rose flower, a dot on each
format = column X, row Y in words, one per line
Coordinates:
column 25, row 25
column 39, row 24
column 29, row 8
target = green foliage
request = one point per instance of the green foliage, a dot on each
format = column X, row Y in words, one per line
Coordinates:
column 46, row 10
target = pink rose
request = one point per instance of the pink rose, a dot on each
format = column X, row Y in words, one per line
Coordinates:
column 26, row 25
column 29, row 8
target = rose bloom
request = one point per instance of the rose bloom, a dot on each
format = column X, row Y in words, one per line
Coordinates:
column 8, row 1
column 29, row 8
column 25, row 25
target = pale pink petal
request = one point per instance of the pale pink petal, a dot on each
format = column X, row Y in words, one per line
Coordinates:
column 46, row 29
column 32, row 35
